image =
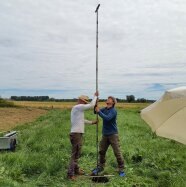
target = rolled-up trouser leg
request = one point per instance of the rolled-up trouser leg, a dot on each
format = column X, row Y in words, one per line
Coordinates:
column 103, row 146
column 114, row 141
column 76, row 141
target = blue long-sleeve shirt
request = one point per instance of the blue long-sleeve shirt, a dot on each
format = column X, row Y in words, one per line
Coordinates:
column 109, row 116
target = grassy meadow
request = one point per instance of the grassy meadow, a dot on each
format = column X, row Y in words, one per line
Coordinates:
column 69, row 105
column 42, row 155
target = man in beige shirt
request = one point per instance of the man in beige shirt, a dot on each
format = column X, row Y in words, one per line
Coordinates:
column 77, row 131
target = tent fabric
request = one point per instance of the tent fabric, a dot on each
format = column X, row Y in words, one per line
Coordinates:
column 167, row 116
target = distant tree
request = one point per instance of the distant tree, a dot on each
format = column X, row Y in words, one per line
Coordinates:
column 30, row 98
column 52, row 99
column 130, row 98
column 141, row 100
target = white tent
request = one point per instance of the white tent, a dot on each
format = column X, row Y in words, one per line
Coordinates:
column 167, row 116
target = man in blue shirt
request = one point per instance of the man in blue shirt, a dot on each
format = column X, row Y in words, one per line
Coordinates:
column 109, row 136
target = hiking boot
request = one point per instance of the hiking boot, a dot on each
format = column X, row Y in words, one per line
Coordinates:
column 80, row 172
column 97, row 170
column 122, row 173
column 71, row 177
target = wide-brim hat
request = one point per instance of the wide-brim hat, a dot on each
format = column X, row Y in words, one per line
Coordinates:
column 84, row 98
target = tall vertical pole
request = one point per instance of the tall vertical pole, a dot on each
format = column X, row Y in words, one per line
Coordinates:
column 96, row 11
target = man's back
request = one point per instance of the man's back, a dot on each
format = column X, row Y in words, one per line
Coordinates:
column 77, row 116
column 77, row 119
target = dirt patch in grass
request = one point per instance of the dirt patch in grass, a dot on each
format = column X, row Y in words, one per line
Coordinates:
column 12, row 117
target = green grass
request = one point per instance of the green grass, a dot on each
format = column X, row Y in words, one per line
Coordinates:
column 42, row 155
column 5, row 103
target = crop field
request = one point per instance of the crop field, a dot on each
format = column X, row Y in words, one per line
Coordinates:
column 43, row 152
column 49, row 105
column 68, row 105
column 12, row 117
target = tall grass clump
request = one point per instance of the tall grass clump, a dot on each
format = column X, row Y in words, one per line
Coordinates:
column 43, row 154
column 5, row 103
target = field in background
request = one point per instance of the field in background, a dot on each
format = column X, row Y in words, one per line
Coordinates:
column 68, row 105
column 43, row 153
column 49, row 105
column 12, row 117
column 28, row 111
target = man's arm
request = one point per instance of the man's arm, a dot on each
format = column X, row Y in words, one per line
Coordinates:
column 87, row 121
column 90, row 122
column 90, row 105
column 109, row 116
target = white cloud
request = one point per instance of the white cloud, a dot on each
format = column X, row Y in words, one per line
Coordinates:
column 50, row 45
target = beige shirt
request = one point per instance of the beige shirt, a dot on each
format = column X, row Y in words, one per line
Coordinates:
column 77, row 116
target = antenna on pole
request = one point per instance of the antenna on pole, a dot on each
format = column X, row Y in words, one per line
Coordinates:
column 97, row 8
column 96, row 11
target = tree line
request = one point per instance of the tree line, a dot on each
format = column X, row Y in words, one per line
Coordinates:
column 129, row 99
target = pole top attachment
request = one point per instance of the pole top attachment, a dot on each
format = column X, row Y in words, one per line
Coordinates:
column 97, row 8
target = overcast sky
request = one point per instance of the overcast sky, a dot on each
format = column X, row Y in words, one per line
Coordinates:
column 48, row 47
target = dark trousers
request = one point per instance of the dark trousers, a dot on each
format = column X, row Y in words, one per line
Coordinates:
column 76, row 141
column 112, row 140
